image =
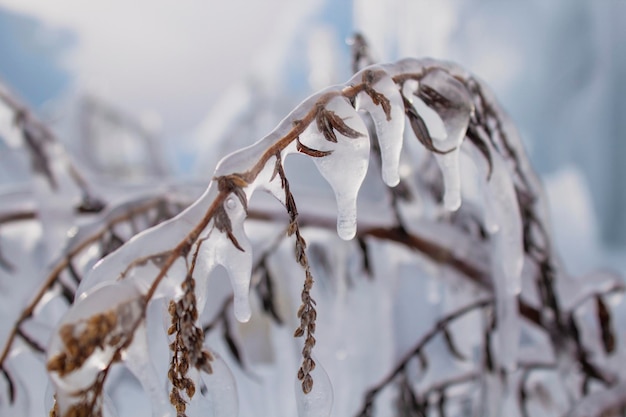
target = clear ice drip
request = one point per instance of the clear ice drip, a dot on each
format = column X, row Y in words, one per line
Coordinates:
column 218, row 397
column 508, row 260
column 318, row 402
column 346, row 166
column 389, row 130
column 455, row 113
column 137, row 359
column 219, row 249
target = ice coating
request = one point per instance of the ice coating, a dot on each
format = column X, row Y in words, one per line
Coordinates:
column 219, row 249
column 153, row 241
column 390, row 130
column 346, row 166
column 219, row 396
column 318, row 402
column 455, row 115
column 456, row 110
column 122, row 301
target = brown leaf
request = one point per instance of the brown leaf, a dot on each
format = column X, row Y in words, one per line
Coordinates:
column 223, row 224
column 307, row 384
column 310, row 151
column 419, row 127
column 340, row 126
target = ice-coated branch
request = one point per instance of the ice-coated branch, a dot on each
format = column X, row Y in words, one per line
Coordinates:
column 19, row 127
column 444, row 105
column 98, row 233
column 417, row 351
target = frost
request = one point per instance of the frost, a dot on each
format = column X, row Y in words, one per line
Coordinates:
column 389, row 122
column 319, row 401
column 346, row 166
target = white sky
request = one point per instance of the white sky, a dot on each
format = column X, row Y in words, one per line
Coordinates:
column 172, row 57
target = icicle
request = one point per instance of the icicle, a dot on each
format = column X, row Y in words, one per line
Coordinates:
column 450, row 169
column 509, row 239
column 508, row 260
column 137, row 359
column 218, row 395
column 345, row 167
column 389, row 124
column 452, row 102
column 318, row 402
column 455, row 110
column 219, row 249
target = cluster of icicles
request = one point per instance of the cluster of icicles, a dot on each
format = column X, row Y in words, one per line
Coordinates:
column 344, row 165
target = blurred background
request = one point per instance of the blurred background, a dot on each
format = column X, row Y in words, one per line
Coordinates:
column 152, row 88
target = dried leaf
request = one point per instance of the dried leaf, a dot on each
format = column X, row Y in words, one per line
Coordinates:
column 328, row 122
column 419, row 127
column 223, row 224
column 432, row 98
column 370, row 77
column 307, row 384
column 310, row 151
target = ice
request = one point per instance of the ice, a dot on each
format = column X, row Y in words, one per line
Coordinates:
column 137, row 359
column 508, row 260
column 346, row 166
column 219, row 249
column 450, row 169
column 389, row 131
column 456, row 113
column 122, row 299
column 509, row 247
column 492, row 395
column 9, row 131
column 238, row 262
column 319, row 401
column 218, row 398
column 159, row 239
